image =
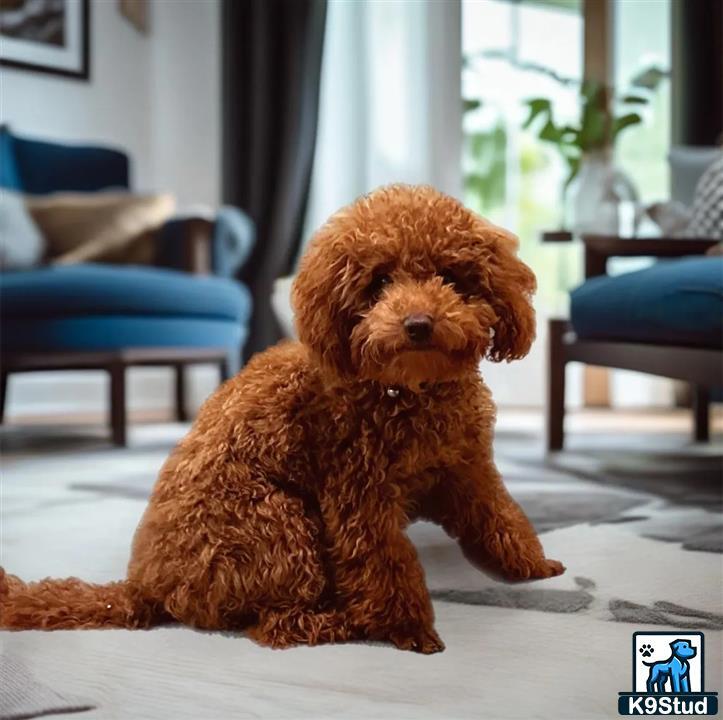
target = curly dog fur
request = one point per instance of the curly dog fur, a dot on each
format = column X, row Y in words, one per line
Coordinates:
column 284, row 509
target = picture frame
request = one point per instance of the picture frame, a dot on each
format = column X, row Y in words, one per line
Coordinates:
column 49, row 37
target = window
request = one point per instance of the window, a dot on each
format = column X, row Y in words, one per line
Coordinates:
column 642, row 41
column 514, row 51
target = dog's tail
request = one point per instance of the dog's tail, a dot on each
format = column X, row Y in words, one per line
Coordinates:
column 69, row 603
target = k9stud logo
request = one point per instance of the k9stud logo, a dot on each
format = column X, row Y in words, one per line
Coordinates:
column 668, row 676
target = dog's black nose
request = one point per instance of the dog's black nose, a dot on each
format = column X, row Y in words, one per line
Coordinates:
column 418, row 327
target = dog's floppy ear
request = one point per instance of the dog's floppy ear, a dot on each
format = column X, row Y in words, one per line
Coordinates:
column 318, row 300
column 512, row 285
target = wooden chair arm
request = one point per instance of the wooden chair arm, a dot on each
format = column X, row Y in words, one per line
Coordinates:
column 186, row 243
column 197, row 241
column 600, row 248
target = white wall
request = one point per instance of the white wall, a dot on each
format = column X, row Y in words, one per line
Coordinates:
column 158, row 97
column 186, row 89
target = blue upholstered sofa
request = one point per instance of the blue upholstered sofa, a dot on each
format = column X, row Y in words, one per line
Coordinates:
column 111, row 316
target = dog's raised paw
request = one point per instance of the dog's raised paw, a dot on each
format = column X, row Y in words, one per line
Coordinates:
column 554, row 567
column 646, row 650
column 546, row 568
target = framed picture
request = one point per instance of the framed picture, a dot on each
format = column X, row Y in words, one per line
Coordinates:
column 49, row 36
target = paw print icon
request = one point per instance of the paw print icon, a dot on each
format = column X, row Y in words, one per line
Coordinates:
column 646, row 650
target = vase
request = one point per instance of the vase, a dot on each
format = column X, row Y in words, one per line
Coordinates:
column 601, row 199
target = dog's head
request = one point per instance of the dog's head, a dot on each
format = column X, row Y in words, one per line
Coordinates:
column 407, row 286
column 682, row 649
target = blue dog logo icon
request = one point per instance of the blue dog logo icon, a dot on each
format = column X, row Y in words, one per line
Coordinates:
column 668, row 676
column 674, row 671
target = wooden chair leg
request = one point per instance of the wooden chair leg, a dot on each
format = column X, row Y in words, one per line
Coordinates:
column 701, row 413
column 180, row 376
column 229, row 366
column 556, row 385
column 118, row 420
column 224, row 370
column 3, row 394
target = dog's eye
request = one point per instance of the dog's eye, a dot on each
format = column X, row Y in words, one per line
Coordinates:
column 448, row 277
column 378, row 284
column 461, row 284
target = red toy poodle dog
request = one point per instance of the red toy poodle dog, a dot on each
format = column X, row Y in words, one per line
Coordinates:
column 284, row 509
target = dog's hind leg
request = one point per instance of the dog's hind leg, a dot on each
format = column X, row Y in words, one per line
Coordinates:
column 280, row 628
column 257, row 550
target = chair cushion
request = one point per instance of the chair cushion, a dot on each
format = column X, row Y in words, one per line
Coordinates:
column 38, row 167
column 114, row 332
column 678, row 302
column 99, row 307
column 90, row 289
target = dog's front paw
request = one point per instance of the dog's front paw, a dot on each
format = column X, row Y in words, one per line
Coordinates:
column 538, row 570
column 545, row 568
column 551, row 568
column 422, row 640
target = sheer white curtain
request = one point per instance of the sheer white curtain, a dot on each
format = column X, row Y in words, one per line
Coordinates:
column 390, row 107
column 391, row 111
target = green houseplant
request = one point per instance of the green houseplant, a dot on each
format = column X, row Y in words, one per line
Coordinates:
column 594, row 190
column 602, row 118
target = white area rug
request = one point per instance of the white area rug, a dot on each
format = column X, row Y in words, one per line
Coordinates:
column 555, row 649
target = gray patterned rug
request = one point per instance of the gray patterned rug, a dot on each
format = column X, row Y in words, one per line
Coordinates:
column 639, row 528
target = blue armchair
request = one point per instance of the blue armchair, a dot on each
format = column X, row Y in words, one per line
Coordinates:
column 186, row 310
column 664, row 320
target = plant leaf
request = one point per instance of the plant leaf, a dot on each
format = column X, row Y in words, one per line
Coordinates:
column 649, row 78
column 469, row 104
column 551, row 132
column 620, row 123
column 634, row 100
column 592, row 129
column 573, row 164
column 569, row 135
column 537, row 106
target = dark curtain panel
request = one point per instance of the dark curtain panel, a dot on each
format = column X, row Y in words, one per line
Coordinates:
column 271, row 74
column 697, row 72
